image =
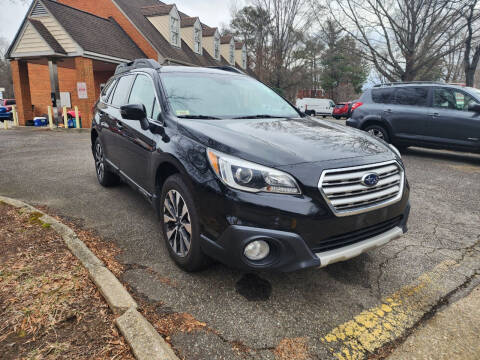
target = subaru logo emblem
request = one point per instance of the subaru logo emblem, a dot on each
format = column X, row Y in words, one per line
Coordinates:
column 370, row 179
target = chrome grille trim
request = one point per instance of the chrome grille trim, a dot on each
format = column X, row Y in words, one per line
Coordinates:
column 346, row 195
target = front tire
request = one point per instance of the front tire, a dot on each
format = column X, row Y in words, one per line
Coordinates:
column 180, row 226
column 379, row 132
column 104, row 176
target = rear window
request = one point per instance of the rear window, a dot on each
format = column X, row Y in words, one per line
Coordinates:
column 383, row 96
column 339, row 106
column 414, row 96
column 10, row 102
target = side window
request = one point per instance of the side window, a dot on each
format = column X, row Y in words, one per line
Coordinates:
column 444, row 98
column 107, row 90
column 121, row 91
column 463, row 100
column 383, row 96
column 143, row 92
column 156, row 110
column 415, row 96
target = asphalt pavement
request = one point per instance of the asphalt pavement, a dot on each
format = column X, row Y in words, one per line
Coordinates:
column 348, row 310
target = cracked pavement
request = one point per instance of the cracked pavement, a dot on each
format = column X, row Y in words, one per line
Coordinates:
column 56, row 169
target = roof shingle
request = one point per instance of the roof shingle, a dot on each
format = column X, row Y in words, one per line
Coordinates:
column 188, row 21
column 85, row 29
column 156, row 10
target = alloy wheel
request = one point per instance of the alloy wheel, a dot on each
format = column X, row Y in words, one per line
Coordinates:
column 178, row 227
column 99, row 161
column 376, row 133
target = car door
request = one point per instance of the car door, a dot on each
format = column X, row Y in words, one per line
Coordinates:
column 451, row 123
column 409, row 114
column 111, row 118
column 138, row 144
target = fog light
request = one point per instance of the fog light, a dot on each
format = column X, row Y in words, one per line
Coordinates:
column 257, row 250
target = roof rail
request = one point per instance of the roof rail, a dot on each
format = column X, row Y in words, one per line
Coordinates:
column 409, row 83
column 227, row 68
column 137, row 64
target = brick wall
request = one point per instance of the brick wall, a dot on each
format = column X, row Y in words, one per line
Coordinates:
column 106, row 8
column 40, row 86
column 21, row 86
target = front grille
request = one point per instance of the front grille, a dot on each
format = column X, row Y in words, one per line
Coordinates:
column 346, row 194
column 356, row 236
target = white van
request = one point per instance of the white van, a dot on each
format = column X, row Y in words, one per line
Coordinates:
column 312, row 106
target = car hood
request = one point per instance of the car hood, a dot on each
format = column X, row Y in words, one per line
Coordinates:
column 280, row 142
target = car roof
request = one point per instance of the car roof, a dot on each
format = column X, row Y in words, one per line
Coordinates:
column 417, row 84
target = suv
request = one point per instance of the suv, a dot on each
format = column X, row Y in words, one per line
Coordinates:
column 433, row 115
column 237, row 174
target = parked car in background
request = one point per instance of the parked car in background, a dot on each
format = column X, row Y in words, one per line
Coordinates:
column 425, row 114
column 6, row 109
column 8, row 103
column 5, row 114
column 239, row 175
column 341, row 110
column 313, row 106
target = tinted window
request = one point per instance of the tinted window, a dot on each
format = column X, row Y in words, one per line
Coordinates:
column 122, row 90
column 452, row 99
column 383, row 96
column 107, row 90
column 415, row 96
column 10, row 102
column 143, row 92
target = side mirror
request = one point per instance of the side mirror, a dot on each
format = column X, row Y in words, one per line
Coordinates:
column 136, row 112
column 474, row 108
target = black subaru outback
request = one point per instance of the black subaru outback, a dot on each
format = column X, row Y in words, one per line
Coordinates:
column 434, row 115
column 238, row 175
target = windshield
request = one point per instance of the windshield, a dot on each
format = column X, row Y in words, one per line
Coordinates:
column 222, row 96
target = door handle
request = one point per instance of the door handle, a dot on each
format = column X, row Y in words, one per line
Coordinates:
column 387, row 111
column 434, row 114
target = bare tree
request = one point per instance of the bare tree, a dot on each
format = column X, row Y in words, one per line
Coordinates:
column 403, row 39
column 472, row 51
column 5, row 72
column 290, row 22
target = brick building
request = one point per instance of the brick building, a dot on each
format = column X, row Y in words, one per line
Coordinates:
column 66, row 49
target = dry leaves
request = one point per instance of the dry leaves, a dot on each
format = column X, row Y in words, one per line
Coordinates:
column 48, row 306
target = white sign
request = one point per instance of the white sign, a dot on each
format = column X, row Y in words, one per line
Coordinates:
column 82, row 90
column 2, row 89
column 65, row 99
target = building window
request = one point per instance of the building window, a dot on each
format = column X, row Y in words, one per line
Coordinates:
column 198, row 40
column 216, row 47
column 244, row 57
column 175, row 31
column 232, row 53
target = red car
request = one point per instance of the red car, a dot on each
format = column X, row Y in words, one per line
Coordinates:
column 7, row 103
column 341, row 110
column 345, row 109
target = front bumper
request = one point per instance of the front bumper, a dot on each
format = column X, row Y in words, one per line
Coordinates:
column 290, row 252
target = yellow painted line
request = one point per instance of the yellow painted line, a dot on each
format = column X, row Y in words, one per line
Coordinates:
column 375, row 327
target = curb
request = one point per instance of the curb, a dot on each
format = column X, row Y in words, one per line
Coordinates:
column 144, row 340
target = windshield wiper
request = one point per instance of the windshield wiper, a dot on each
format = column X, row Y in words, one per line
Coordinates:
column 204, row 117
column 261, row 116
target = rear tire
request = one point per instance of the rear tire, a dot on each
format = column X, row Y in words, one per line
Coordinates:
column 105, row 177
column 379, row 132
column 180, row 226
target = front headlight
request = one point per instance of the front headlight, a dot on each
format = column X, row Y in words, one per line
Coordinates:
column 244, row 175
column 395, row 150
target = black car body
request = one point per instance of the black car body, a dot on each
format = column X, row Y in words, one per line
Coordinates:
column 432, row 115
column 168, row 157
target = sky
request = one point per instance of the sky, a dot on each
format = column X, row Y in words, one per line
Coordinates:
column 211, row 12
